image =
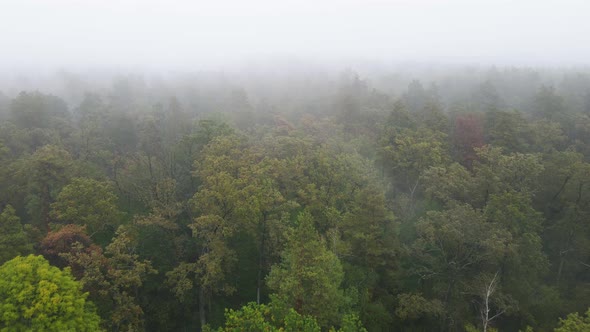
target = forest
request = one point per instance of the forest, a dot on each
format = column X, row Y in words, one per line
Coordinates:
column 447, row 198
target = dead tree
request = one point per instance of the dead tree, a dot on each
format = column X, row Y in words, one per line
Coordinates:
column 485, row 306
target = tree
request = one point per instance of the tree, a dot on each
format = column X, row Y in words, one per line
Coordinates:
column 113, row 279
column 450, row 184
column 260, row 317
column 453, row 248
column 497, row 173
column 433, row 117
column 493, row 173
column 412, row 308
column 89, row 203
column 567, row 193
column 366, row 241
column 574, row 323
column 400, row 117
column 224, row 204
column 505, row 129
column 309, row 276
column 151, row 149
column 416, row 96
column 90, row 139
column 369, row 232
column 352, row 90
column 548, row 104
column 121, row 132
column 46, row 171
column 13, row 239
column 66, row 240
column 406, row 156
column 468, row 134
column 545, row 136
column 485, row 310
column 35, row 296
column 409, row 153
column 160, row 237
column 487, row 97
column 36, row 110
column 524, row 264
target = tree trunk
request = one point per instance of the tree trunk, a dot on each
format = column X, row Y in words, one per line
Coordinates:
column 202, row 308
column 562, row 257
column 260, row 261
column 152, row 181
column 560, row 269
column 258, row 283
column 486, row 305
column 45, row 206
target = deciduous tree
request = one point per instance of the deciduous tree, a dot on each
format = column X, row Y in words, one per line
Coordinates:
column 35, row 296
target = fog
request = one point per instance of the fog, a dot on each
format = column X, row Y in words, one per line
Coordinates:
column 68, row 47
column 180, row 35
column 282, row 165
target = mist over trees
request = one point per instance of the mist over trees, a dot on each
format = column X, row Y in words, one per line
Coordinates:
column 297, row 198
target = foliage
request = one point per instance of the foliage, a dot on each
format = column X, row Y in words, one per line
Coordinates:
column 574, row 323
column 309, row 277
column 340, row 201
column 259, row 317
column 45, row 172
column 13, row 239
column 88, row 203
column 112, row 278
column 39, row 297
column 59, row 242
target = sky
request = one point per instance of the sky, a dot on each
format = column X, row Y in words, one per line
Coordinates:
column 177, row 34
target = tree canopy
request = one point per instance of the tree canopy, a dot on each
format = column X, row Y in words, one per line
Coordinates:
column 443, row 199
column 35, row 296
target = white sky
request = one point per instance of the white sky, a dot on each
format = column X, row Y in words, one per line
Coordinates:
column 189, row 33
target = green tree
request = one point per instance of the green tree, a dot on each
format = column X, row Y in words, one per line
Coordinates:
column 35, row 296
column 496, row 173
column 574, row 323
column 456, row 248
column 261, row 318
column 113, row 279
column 36, row 110
column 272, row 318
column 545, row 136
column 368, row 247
column 89, row 203
column 413, row 308
column 453, row 183
column 524, row 264
column 548, row 104
column 309, row 276
column 505, row 129
column 493, row 173
column 220, row 208
column 90, row 139
column 408, row 153
column 487, row 97
column 416, row 96
column 13, row 239
column 46, row 171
